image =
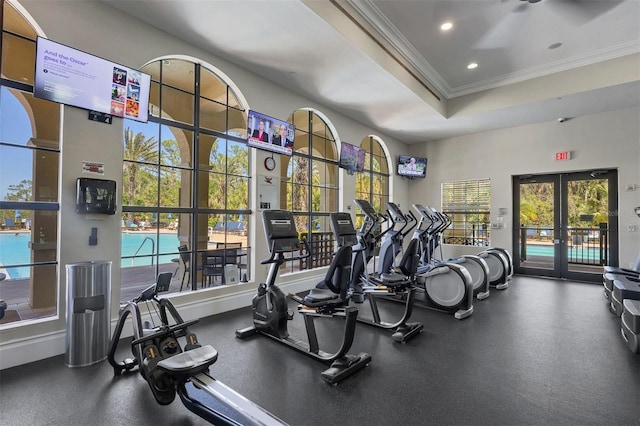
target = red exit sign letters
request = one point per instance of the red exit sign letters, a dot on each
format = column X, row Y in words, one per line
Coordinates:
column 563, row 155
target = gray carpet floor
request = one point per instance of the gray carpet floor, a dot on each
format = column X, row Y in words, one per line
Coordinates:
column 540, row 352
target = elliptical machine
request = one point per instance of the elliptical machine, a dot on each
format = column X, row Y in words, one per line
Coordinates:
column 269, row 305
column 498, row 260
column 393, row 237
column 500, row 265
column 445, row 287
column 429, row 231
column 170, row 368
column 397, row 283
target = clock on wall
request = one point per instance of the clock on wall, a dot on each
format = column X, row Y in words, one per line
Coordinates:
column 270, row 163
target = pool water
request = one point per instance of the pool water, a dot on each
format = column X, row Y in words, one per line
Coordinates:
column 575, row 252
column 14, row 250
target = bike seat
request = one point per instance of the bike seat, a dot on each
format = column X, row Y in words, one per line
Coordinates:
column 394, row 279
column 189, row 363
column 320, row 297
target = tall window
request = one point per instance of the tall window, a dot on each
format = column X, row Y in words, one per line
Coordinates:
column 310, row 186
column 29, row 158
column 185, row 178
column 372, row 184
column 468, row 205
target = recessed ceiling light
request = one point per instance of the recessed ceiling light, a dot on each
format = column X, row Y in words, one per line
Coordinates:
column 472, row 65
column 446, row 26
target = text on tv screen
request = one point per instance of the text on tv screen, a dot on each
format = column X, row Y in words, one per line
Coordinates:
column 72, row 77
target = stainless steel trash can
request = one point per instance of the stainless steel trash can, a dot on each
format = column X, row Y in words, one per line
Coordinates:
column 88, row 312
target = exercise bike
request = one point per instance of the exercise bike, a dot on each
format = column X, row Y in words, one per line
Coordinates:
column 429, row 232
column 170, row 368
column 269, row 305
column 398, row 283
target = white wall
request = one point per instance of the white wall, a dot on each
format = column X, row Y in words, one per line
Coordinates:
column 607, row 140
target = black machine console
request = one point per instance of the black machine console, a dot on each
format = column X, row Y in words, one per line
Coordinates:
column 343, row 229
column 280, row 230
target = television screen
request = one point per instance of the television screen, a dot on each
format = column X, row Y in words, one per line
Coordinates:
column 76, row 78
column 413, row 167
column 270, row 134
column 351, row 157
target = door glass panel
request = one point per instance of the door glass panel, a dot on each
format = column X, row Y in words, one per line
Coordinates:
column 566, row 224
column 536, row 245
column 587, row 224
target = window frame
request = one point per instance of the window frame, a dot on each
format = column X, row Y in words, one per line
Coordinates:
column 194, row 217
column 468, row 204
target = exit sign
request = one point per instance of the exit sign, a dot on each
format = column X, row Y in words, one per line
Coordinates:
column 563, row 155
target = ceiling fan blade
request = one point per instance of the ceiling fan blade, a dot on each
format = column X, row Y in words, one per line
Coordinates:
column 579, row 12
column 501, row 34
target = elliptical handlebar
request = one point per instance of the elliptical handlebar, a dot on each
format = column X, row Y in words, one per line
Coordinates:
column 412, row 221
column 383, row 218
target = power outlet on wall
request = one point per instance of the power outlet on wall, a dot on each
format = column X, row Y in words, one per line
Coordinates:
column 631, row 228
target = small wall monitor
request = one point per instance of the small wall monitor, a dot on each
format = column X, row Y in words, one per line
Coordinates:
column 270, row 134
column 72, row 77
column 412, row 167
column 351, row 157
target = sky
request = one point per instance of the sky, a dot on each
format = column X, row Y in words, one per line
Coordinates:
column 15, row 127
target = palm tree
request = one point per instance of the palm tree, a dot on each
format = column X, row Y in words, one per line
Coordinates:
column 137, row 149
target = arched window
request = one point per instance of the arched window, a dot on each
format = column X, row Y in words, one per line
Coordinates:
column 29, row 174
column 372, row 184
column 185, row 178
column 309, row 186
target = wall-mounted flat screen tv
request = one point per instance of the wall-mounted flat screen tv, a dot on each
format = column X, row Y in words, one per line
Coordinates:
column 412, row 167
column 351, row 157
column 270, row 134
column 72, row 77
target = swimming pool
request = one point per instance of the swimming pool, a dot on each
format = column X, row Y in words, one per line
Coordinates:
column 573, row 252
column 14, row 250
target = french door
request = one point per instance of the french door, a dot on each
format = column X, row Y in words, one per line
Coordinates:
column 566, row 225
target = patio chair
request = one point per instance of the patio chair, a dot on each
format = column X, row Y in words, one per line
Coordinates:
column 241, row 254
column 10, row 224
column 214, row 263
column 185, row 262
